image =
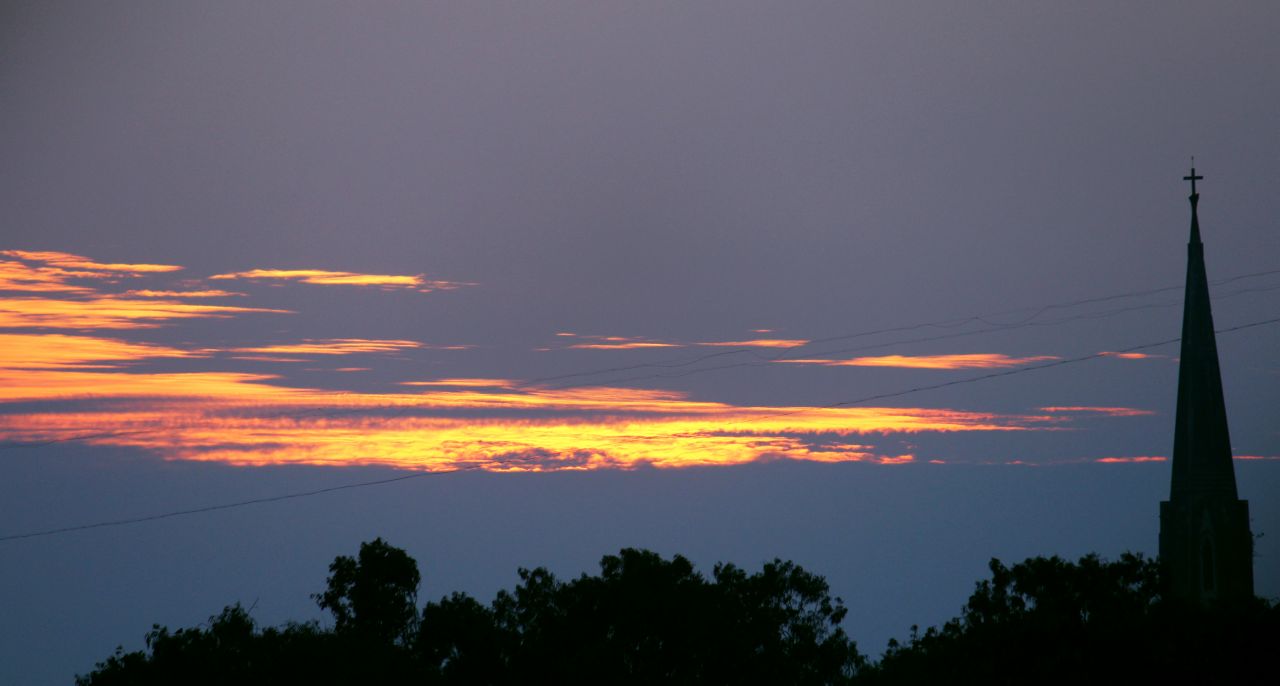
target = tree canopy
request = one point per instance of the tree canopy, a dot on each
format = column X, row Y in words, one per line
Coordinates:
column 643, row 619
column 1048, row 620
column 648, row 619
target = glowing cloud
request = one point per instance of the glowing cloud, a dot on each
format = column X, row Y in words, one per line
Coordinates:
column 58, row 351
column 68, row 261
column 616, row 342
column 16, row 276
column 1109, row 411
column 1130, row 356
column 208, row 293
column 107, row 312
column 333, row 278
column 254, row 419
column 465, row 383
column 332, row 346
column 758, row 343
column 970, row 361
column 632, row 345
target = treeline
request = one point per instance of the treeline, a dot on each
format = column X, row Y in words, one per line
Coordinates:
column 647, row 620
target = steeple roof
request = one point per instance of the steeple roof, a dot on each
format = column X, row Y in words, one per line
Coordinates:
column 1201, row 444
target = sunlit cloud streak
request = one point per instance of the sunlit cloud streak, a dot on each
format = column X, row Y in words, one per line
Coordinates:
column 632, row 345
column 615, row 342
column 254, row 419
column 83, row 266
column 1132, row 356
column 629, row 343
column 466, row 383
column 965, row 361
column 442, row 444
column 108, row 312
column 1108, row 411
column 59, row 351
column 758, row 343
column 16, row 276
column 207, row 293
column 337, row 278
column 331, row 346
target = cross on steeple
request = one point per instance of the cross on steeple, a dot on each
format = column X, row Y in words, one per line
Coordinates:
column 1193, row 178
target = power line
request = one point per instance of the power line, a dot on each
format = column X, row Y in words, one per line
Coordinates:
column 1035, row 312
column 999, row 374
column 417, row 475
column 767, row 361
column 214, row 508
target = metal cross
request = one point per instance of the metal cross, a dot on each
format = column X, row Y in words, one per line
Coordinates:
column 1193, row 178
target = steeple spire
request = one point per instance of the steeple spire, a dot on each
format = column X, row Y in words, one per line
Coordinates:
column 1201, row 442
column 1205, row 544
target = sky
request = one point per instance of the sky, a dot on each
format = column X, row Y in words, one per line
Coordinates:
column 884, row 288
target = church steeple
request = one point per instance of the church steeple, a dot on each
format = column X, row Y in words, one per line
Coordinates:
column 1206, row 547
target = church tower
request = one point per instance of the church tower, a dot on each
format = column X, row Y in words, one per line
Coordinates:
column 1206, row 549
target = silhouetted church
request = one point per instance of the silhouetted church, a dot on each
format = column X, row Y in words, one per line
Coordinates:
column 1206, row 548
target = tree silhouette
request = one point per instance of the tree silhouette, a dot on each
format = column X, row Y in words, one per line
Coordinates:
column 643, row 619
column 1047, row 620
column 648, row 619
column 375, row 595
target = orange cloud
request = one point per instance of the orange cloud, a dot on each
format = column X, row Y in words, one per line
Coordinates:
column 615, row 342
column 107, row 312
column 634, row 345
column 465, row 383
column 16, row 276
column 970, row 361
column 438, row 443
column 254, row 419
column 1160, row 458
column 335, row 278
column 68, row 261
column 1109, row 411
column 58, row 351
column 1129, row 356
column 332, row 346
column 208, row 293
column 758, row 343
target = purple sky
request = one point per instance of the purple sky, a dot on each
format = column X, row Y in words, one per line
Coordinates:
column 407, row 207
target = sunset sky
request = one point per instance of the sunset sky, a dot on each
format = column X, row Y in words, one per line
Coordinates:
column 887, row 289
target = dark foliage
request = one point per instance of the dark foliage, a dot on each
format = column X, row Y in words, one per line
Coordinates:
column 643, row 619
column 1047, row 620
column 374, row 597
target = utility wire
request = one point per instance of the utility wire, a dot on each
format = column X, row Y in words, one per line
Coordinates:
column 1035, row 312
column 416, row 475
column 995, row 375
column 766, row 361
column 214, row 508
